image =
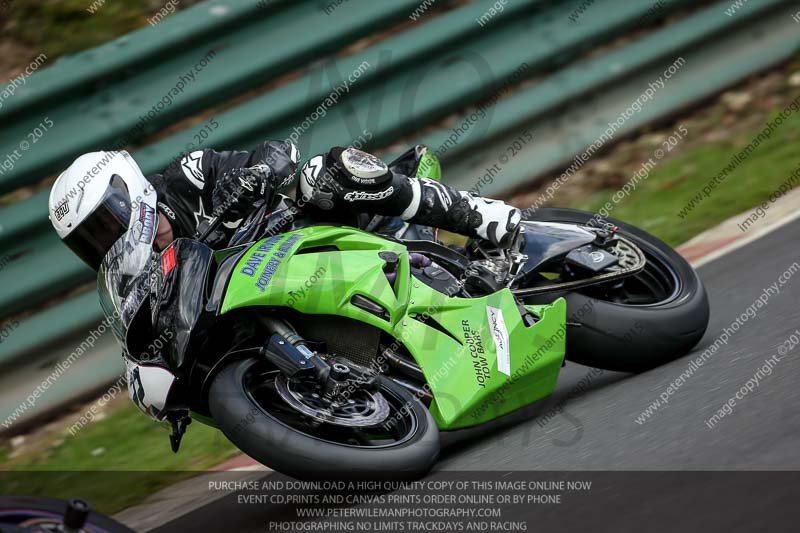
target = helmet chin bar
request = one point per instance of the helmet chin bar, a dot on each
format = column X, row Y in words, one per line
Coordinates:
column 141, row 193
column 143, row 222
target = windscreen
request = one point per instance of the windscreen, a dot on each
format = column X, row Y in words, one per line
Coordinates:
column 123, row 277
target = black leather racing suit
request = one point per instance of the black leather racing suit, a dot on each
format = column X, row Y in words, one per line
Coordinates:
column 186, row 187
column 339, row 188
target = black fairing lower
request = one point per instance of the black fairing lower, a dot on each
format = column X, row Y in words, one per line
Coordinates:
column 178, row 302
column 546, row 242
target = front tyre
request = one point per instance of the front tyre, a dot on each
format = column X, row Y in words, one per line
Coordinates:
column 642, row 321
column 246, row 404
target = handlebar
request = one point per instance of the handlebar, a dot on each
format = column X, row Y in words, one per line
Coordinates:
column 203, row 234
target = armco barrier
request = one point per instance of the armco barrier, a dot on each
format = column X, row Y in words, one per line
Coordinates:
column 212, row 70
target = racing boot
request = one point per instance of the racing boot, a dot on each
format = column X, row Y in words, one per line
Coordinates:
column 460, row 212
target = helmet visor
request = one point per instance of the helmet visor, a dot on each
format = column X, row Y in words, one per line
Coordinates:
column 95, row 235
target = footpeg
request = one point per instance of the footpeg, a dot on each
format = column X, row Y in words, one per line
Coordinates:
column 179, row 424
column 516, row 259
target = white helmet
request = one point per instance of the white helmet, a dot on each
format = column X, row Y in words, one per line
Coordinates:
column 97, row 199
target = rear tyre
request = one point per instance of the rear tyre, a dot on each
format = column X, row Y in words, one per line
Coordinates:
column 246, row 405
column 641, row 322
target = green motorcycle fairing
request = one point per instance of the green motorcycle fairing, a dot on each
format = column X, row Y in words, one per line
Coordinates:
column 478, row 357
column 429, row 167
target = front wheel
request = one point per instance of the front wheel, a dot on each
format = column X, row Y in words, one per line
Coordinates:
column 639, row 322
column 383, row 434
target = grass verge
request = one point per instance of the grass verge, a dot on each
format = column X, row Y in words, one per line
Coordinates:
column 68, row 26
column 113, row 463
column 659, row 199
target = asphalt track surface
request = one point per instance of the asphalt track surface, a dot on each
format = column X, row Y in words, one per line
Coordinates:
column 597, row 430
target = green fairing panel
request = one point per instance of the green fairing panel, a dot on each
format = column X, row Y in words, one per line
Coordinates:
column 429, row 166
column 463, row 373
column 457, row 350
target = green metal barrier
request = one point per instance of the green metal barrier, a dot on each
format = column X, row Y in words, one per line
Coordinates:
column 429, row 90
column 586, row 77
column 765, row 38
column 161, row 91
column 37, row 332
column 118, row 58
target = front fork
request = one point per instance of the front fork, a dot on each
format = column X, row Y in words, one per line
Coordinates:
column 291, row 355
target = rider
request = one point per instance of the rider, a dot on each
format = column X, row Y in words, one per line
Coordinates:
column 100, row 195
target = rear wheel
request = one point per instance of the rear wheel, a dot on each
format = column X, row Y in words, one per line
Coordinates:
column 641, row 321
column 287, row 425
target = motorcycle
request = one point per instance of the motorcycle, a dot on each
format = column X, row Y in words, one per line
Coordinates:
column 323, row 350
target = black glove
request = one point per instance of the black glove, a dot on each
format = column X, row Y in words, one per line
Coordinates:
column 237, row 191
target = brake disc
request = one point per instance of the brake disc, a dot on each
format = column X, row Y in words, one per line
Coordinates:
column 362, row 408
